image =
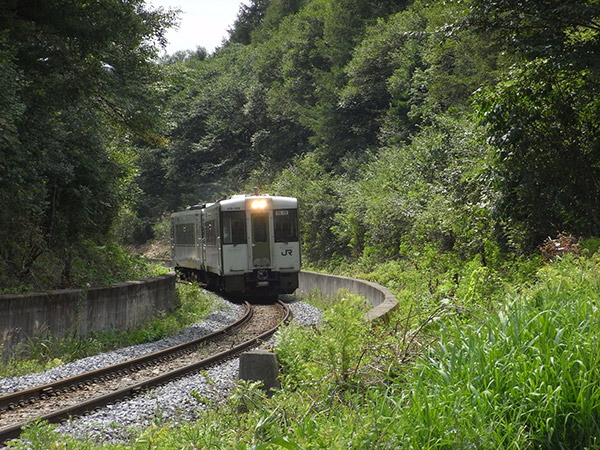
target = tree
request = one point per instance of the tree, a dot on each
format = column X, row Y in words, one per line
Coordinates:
column 564, row 31
column 543, row 118
column 545, row 127
column 380, row 79
column 84, row 79
column 248, row 19
column 276, row 12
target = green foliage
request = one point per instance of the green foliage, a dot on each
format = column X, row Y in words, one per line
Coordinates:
column 523, row 377
column 432, row 183
column 426, row 193
column 109, row 264
column 335, row 80
column 276, row 12
column 543, row 117
column 215, row 138
column 248, row 19
column 334, row 354
column 323, row 302
column 390, row 49
column 85, row 265
column 162, row 229
column 248, row 395
column 590, row 246
column 543, row 123
column 40, row 435
column 315, row 190
column 565, row 32
column 260, row 105
column 364, row 111
column 81, row 88
column 372, row 99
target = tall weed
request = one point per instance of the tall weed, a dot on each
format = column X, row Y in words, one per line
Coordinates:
column 333, row 353
column 528, row 376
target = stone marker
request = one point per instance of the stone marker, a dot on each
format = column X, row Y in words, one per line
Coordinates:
column 260, row 365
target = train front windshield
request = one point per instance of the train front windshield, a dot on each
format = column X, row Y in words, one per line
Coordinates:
column 260, row 227
column 286, row 225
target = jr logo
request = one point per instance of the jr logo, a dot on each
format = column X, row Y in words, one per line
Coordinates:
column 286, row 252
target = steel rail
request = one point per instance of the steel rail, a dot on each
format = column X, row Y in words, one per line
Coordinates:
column 13, row 431
column 31, row 395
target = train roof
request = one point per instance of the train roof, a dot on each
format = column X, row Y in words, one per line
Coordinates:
column 240, row 202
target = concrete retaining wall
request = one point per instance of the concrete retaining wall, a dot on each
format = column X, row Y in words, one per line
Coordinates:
column 380, row 297
column 60, row 313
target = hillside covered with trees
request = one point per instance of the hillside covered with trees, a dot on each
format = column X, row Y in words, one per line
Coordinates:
column 434, row 146
column 457, row 125
column 468, row 127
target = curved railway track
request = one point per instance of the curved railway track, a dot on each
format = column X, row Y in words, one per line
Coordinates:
column 89, row 391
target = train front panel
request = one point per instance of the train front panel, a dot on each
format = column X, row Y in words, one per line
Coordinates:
column 261, row 253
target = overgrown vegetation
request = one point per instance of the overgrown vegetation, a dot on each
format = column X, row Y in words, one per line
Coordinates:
column 79, row 91
column 466, row 126
column 398, row 124
column 524, row 375
column 435, row 147
column 44, row 352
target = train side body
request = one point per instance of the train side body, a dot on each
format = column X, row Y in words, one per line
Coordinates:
column 242, row 245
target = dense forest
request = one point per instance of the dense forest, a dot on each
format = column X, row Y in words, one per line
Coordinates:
column 464, row 127
column 434, row 145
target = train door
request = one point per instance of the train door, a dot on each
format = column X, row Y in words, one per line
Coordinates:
column 261, row 242
column 201, row 242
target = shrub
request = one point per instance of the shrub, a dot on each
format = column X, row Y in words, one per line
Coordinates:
column 526, row 376
column 333, row 353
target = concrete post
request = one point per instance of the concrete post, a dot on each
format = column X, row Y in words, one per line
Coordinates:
column 260, row 365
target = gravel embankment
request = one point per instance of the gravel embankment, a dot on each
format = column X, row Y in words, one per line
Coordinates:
column 226, row 314
column 172, row 402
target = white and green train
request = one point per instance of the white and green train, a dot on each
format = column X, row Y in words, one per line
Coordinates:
column 245, row 244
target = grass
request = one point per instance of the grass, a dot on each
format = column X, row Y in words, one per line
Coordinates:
column 324, row 302
column 526, row 374
column 43, row 352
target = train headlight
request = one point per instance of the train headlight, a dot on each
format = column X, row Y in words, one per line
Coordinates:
column 258, row 204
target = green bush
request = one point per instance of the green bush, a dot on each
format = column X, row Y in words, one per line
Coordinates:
column 97, row 265
column 590, row 246
column 527, row 375
column 333, row 354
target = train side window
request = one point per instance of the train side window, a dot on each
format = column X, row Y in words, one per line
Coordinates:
column 286, row 225
column 210, row 232
column 185, row 234
column 234, row 227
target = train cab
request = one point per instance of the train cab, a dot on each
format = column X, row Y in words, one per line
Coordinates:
column 246, row 244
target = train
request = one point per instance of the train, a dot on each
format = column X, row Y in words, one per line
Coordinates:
column 246, row 244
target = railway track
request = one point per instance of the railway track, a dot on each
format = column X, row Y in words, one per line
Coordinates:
column 90, row 391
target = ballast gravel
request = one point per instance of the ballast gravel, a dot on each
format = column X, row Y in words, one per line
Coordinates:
column 226, row 313
column 181, row 400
